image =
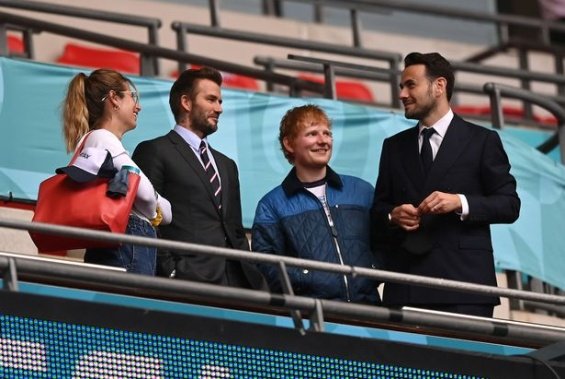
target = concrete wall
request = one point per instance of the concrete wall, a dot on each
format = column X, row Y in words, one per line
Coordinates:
column 49, row 47
column 12, row 240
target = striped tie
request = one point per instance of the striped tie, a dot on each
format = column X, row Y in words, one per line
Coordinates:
column 211, row 174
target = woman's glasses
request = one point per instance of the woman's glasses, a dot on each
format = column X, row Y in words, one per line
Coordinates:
column 134, row 96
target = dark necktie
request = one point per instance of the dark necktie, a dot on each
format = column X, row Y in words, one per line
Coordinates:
column 426, row 154
column 211, row 174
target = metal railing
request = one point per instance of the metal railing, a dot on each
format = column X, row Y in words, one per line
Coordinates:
column 501, row 21
column 152, row 24
column 182, row 29
column 318, row 310
column 497, row 91
column 538, row 40
column 330, row 68
column 149, row 52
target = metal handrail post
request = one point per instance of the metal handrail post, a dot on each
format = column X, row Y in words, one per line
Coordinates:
column 496, row 90
column 181, row 46
column 525, row 82
column 154, row 40
column 287, row 289
column 317, row 317
column 3, row 41
column 497, row 116
column 382, row 275
column 261, row 38
column 152, row 24
column 147, row 286
column 356, row 27
column 329, row 81
column 214, row 13
column 10, row 276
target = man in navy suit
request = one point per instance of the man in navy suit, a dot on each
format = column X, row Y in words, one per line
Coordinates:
column 202, row 185
column 437, row 192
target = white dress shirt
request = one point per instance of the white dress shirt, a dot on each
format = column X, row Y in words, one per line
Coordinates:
column 435, row 141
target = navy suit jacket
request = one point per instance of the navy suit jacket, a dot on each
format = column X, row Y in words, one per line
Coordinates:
column 177, row 174
column 470, row 161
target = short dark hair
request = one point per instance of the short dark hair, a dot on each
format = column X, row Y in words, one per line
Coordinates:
column 436, row 67
column 186, row 85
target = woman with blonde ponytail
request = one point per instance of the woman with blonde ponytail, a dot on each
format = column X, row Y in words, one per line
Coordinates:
column 104, row 105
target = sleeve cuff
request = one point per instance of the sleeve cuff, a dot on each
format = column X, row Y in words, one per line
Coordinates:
column 464, row 207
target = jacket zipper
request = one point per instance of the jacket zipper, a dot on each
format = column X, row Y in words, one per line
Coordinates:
column 335, row 238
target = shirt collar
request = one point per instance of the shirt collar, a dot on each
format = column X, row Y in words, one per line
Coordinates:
column 189, row 136
column 442, row 124
column 291, row 184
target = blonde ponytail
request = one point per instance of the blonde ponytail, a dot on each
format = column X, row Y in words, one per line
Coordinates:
column 75, row 112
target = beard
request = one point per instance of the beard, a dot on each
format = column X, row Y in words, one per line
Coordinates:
column 423, row 109
column 199, row 121
column 419, row 113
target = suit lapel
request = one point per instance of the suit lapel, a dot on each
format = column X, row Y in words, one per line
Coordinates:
column 454, row 143
column 411, row 158
column 190, row 158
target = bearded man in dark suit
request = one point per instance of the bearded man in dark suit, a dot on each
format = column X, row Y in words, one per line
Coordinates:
column 440, row 186
column 202, row 185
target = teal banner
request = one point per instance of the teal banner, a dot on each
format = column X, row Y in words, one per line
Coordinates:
column 32, row 147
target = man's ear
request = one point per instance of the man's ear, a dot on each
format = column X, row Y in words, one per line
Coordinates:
column 287, row 145
column 186, row 103
column 440, row 85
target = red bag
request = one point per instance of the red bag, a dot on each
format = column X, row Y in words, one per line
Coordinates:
column 62, row 201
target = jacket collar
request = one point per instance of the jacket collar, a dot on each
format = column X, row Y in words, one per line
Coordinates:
column 291, row 185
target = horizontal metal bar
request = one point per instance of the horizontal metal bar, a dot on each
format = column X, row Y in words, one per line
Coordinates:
column 522, row 94
column 387, row 276
column 525, row 334
column 377, row 73
column 261, row 38
column 377, row 6
column 349, row 65
column 91, row 14
column 508, row 72
column 156, row 51
column 496, row 90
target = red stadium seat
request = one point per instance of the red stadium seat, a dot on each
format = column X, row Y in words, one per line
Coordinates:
column 239, row 81
column 86, row 56
column 346, row 89
column 15, row 44
column 512, row 112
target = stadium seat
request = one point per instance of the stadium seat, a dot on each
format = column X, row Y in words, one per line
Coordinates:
column 512, row 112
column 15, row 44
column 230, row 80
column 346, row 89
column 87, row 56
column 239, row 81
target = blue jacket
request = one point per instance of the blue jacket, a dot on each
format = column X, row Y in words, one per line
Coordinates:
column 291, row 221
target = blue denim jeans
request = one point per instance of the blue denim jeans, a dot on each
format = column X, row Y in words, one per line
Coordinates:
column 134, row 258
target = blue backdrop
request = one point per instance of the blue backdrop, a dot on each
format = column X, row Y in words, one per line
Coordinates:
column 31, row 147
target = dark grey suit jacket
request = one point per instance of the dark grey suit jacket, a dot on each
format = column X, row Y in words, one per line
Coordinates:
column 471, row 161
column 177, row 174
